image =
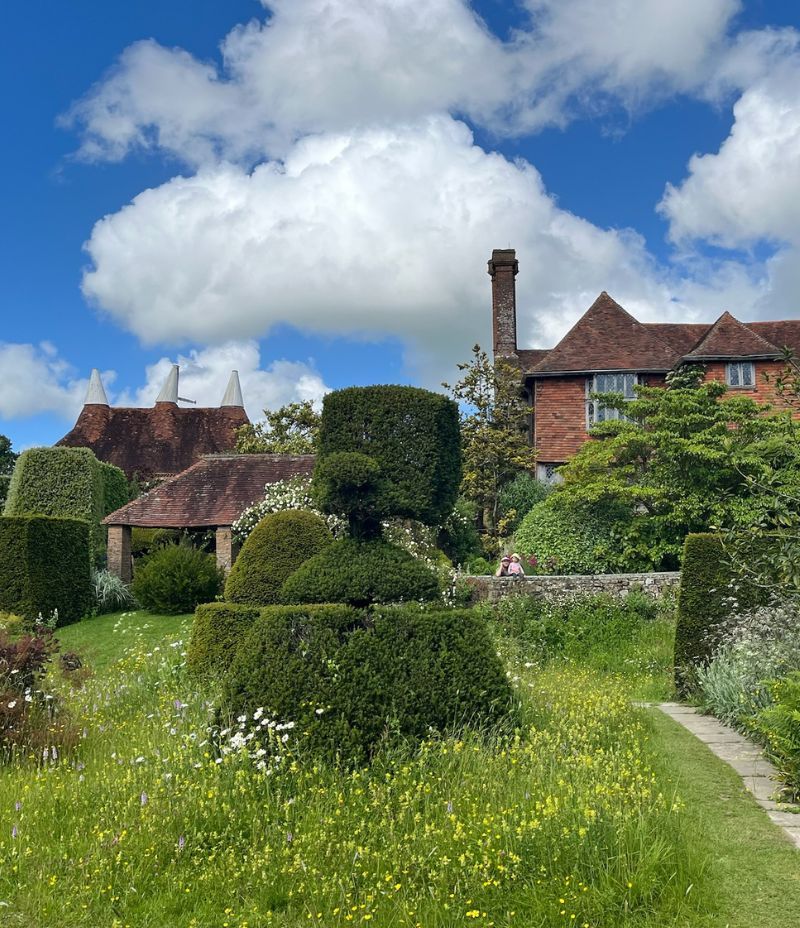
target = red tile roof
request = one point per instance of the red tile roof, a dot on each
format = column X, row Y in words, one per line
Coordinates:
column 606, row 338
column 214, row 491
column 681, row 336
column 155, row 442
column 785, row 334
column 729, row 338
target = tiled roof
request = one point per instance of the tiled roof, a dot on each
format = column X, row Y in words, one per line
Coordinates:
column 214, row 491
column 729, row 338
column 155, row 442
column 681, row 336
column 784, row 334
column 607, row 337
column 530, row 357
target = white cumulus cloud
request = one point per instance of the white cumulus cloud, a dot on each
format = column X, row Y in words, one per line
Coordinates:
column 750, row 189
column 327, row 65
column 381, row 231
column 37, row 380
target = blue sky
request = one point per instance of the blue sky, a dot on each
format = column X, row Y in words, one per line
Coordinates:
column 315, row 204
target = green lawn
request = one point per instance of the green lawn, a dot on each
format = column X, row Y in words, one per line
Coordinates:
column 602, row 815
column 754, row 868
column 104, row 639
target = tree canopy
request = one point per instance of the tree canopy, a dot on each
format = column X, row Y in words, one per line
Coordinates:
column 684, row 459
column 494, row 432
column 291, row 429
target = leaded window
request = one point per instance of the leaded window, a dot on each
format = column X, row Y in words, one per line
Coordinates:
column 608, row 383
column 741, row 374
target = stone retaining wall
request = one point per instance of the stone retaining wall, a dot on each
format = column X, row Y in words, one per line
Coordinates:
column 559, row 587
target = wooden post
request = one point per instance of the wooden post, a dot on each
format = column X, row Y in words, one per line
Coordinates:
column 119, row 551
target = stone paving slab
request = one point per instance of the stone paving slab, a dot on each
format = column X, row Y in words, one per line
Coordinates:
column 759, row 776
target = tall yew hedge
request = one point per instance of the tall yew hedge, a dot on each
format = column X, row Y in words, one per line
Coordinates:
column 711, row 591
column 44, row 565
column 67, row 482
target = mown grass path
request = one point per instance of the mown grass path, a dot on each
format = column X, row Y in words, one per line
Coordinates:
column 752, row 865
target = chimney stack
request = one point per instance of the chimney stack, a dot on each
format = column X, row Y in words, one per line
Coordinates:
column 503, row 267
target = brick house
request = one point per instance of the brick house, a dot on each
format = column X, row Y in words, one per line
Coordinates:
column 607, row 350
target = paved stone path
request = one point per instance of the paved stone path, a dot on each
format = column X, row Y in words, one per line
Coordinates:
column 746, row 758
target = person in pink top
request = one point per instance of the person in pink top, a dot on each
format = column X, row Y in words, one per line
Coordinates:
column 515, row 568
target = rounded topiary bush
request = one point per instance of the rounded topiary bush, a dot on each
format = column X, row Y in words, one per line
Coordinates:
column 350, row 680
column 217, row 631
column 175, row 579
column 563, row 540
column 276, row 547
column 359, row 573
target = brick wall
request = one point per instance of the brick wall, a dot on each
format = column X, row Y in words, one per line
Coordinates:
column 761, row 392
column 568, row 586
column 559, row 427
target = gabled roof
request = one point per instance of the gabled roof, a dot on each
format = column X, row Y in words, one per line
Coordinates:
column 681, row 336
column 784, row 334
column 729, row 338
column 158, row 441
column 530, row 357
column 213, row 492
column 607, row 337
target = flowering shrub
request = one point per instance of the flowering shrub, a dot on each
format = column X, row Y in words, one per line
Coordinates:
column 779, row 726
column 29, row 717
column 292, row 493
column 756, row 647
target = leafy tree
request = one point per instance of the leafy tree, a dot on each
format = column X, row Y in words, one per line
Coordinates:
column 494, row 432
column 8, row 457
column 7, row 460
column 683, row 460
column 292, row 429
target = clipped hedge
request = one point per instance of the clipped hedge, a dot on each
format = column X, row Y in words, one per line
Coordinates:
column 67, row 482
column 175, row 579
column 276, row 547
column 412, row 434
column 44, row 565
column 350, row 679
column 710, row 592
column 563, row 540
column 217, row 631
column 360, row 573
column 116, row 492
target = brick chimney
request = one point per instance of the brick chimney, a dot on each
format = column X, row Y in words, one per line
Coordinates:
column 503, row 267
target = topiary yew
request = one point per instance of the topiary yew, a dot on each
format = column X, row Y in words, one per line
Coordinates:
column 276, row 547
column 44, row 566
column 217, row 631
column 351, row 680
column 360, row 572
column 411, row 434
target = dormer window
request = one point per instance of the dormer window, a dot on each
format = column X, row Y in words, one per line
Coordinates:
column 740, row 374
column 608, row 383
